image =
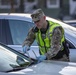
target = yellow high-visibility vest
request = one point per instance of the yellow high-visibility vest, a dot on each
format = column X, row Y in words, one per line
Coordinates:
column 45, row 44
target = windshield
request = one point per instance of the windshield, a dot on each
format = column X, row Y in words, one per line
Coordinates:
column 9, row 59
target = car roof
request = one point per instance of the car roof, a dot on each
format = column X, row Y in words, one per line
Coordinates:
column 18, row 16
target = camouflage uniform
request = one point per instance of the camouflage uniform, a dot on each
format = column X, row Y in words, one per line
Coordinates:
column 55, row 40
column 55, row 43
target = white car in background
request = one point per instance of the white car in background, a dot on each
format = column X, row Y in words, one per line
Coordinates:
column 14, row 28
column 71, row 22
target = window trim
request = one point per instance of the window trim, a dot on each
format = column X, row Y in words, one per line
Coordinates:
column 8, row 6
column 53, row 6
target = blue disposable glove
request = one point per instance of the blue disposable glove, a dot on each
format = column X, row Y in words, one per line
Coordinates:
column 41, row 58
column 26, row 48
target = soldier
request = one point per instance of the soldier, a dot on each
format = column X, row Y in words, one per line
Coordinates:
column 50, row 38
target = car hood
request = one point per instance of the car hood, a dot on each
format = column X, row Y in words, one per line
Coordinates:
column 50, row 68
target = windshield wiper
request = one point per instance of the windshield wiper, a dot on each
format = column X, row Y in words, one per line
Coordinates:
column 16, row 69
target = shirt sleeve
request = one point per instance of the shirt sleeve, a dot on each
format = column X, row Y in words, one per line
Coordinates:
column 30, row 38
column 55, row 43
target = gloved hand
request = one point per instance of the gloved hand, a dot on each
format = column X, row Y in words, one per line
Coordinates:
column 26, row 48
column 41, row 58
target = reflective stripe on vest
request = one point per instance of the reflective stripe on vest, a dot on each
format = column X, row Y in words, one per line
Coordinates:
column 45, row 44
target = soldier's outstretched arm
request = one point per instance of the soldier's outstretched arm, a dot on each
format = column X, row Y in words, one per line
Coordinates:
column 30, row 38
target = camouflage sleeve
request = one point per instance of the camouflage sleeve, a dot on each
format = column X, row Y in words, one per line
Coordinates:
column 55, row 43
column 30, row 38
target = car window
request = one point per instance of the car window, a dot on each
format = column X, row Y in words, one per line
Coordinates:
column 19, row 30
column 11, row 59
column 5, row 35
column 73, row 24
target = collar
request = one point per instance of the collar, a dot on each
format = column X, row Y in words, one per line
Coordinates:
column 44, row 30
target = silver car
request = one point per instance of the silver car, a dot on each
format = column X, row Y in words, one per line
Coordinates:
column 14, row 28
column 13, row 62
